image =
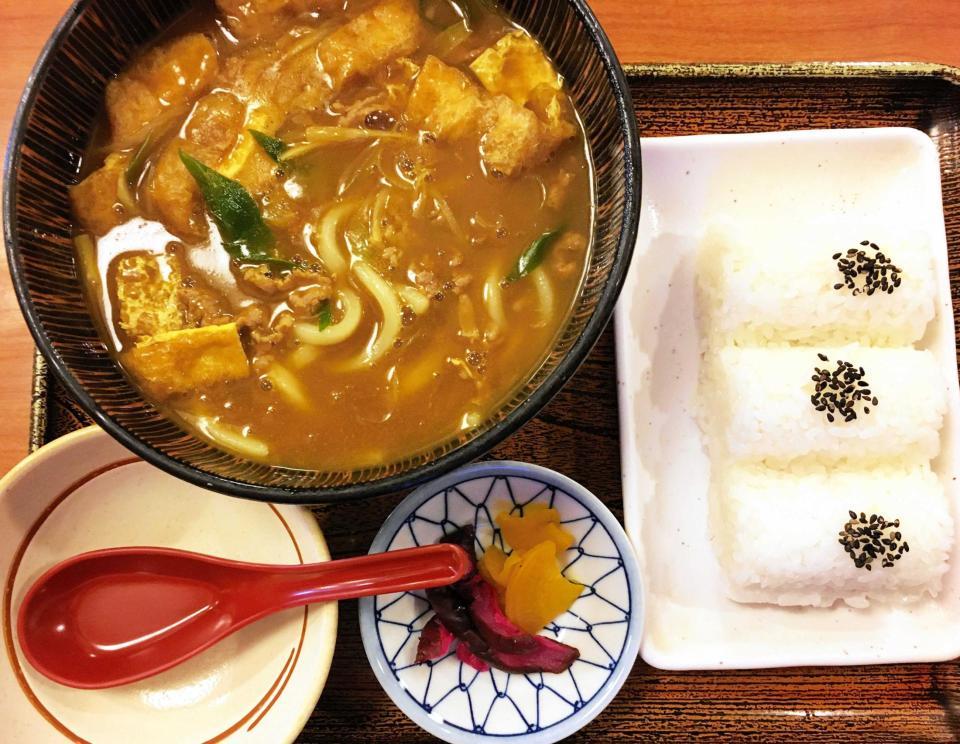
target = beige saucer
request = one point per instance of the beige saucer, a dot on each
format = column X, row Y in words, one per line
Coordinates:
column 85, row 491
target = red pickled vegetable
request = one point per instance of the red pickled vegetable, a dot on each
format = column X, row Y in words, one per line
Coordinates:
column 435, row 641
column 549, row 656
column 471, row 659
column 495, row 627
column 469, row 610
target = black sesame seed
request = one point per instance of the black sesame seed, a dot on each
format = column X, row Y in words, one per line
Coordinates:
column 877, row 541
column 837, row 392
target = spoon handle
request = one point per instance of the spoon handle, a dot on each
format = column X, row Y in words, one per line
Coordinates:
column 380, row 573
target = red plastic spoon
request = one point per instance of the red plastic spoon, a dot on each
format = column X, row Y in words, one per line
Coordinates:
column 110, row 617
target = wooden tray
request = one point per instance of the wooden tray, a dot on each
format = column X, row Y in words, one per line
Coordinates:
column 577, row 435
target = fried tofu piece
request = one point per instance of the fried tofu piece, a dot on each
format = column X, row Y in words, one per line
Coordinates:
column 512, row 136
column 444, row 100
column 284, row 74
column 515, row 67
column 300, row 83
column 147, row 296
column 389, row 30
column 251, row 73
column 553, row 109
column 251, row 19
column 185, row 360
column 164, row 79
column 211, row 130
column 96, row 200
column 210, row 134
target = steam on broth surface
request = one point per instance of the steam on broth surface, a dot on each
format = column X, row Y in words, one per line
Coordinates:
column 331, row 235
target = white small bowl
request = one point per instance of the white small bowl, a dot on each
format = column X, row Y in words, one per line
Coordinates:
column 460, row 705
column 85, row 491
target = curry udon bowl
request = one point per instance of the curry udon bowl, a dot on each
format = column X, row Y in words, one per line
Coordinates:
column 56, row 121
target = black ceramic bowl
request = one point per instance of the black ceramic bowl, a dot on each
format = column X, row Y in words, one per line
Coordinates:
column 60, row 104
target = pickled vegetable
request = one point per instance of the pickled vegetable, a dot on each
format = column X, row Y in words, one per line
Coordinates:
column 470, row 611
column 537, row 592
column 537, row 524
column 491, row 565
column 528, row 580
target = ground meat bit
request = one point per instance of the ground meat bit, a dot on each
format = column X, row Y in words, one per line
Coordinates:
column 569, row 250
column 272, row 282
column 251, row 316
column 265, row 338
column 407, row 315
column 201, row 306
column 461, row 281
column 558, row 188
column 428, row 282
column 304, row 301
column 274, row 334
column 391, row 254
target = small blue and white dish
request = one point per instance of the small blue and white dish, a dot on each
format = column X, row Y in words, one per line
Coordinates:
column 452, row 700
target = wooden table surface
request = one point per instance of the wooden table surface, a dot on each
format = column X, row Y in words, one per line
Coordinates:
column 748, row 705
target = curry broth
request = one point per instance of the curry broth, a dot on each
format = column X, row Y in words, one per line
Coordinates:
column 419, row 214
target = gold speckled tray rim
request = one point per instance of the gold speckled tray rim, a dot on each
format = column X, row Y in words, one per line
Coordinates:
column 39, row 418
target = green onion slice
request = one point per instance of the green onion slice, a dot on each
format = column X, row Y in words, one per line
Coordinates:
column 245, row 235
column 534, row 254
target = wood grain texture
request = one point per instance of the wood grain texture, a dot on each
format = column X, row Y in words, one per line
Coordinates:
column 577, row 433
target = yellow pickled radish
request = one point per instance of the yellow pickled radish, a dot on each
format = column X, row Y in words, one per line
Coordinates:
column 532, row 589
column 538, row 523
column 558, row 536
column 491, row 566
column 522, row 600
column 513, row 562
column 559, row 595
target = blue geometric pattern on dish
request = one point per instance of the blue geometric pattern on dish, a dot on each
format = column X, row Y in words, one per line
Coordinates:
column 453, row 700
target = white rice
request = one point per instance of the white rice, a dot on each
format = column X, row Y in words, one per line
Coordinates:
column 758, row 408
column 777, row 534
column 767, row 284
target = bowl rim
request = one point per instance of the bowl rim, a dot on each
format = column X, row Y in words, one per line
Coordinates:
column 449, row 461
column 635, row 587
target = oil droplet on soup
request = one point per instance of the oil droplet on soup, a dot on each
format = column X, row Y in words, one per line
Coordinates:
column 334, row 237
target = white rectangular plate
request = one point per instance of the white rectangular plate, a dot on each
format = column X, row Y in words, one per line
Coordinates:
column 885, row 176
